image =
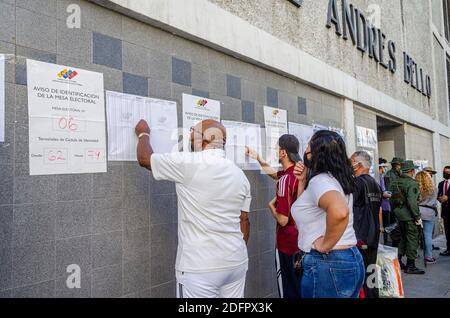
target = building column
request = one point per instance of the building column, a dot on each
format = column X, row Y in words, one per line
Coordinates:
column 349, row 126
column 437, row 164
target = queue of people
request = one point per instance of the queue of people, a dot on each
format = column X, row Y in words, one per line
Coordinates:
column 329, row 213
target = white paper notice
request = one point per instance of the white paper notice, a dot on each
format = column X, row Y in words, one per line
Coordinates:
column 318, row 127
column 276, row 126
column 339, row 131
column 125, row 111
column 303, row 134
column 239, row 136
column 195, row 110
column 2, row 98
column 366, row 138
column 372, row 167
column 66, row 109
column 422, row 164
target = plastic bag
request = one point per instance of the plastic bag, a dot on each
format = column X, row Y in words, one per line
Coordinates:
column 389, row 273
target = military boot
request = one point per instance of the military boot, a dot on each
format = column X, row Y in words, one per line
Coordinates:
column 412, row 269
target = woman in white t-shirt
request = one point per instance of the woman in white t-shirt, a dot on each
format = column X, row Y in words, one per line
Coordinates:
column 332, row 266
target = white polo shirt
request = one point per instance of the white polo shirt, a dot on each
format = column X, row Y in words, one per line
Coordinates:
column 212, row 191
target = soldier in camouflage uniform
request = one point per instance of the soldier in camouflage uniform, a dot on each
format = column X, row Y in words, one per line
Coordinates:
column 404, row 199
column 390, row 177
column 394, row 173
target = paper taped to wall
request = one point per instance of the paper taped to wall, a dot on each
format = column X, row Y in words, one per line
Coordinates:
column 66, row 108
column 276, row 126
column 124, row 112
column 239, row 136
column 195, row 110
column 303, row 134
column 366, row 137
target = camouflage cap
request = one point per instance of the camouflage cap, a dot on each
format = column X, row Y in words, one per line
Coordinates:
column 397, row 160
column 408, row 165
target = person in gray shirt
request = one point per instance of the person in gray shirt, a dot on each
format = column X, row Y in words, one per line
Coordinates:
column 428, row 211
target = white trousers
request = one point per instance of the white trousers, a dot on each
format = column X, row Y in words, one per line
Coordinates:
column 224, row 284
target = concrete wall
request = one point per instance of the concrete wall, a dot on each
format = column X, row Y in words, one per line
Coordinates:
column 405, row 22
column 445, row 152
column 397, row 134
column 419, row 144
column 367, row 119
column 437, row 12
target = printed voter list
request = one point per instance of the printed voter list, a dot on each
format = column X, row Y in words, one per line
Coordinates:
column 67, row 120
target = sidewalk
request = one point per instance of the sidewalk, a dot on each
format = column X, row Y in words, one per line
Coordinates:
column 436, row 281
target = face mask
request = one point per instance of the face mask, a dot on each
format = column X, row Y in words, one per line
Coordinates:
column 355, row 166
column 307, row 162
column 446, row 176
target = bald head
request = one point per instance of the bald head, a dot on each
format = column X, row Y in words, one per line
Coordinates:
column 208, row 134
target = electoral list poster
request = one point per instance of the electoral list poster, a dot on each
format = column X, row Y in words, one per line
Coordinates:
column 276, row 126
column 195, row 110
column 66, row 109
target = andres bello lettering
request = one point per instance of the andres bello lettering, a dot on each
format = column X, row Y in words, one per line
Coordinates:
column 372, row 41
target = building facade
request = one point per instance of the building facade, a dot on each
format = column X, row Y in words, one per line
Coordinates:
column 382, row 65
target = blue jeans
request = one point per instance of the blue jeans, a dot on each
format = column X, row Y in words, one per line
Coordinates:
column 428, row 227
column 340, row 274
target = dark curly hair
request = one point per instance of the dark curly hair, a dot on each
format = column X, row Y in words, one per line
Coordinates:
column 329, row 155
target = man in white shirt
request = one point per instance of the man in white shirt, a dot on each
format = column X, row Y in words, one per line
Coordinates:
column 213, row 204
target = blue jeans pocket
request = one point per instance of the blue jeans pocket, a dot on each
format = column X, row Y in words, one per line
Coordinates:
column 345, row 281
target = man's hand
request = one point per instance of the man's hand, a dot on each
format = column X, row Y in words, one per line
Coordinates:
column 387, row 195
column 419, row 223
column 300, row 171
column 142, row 127
column 443, row 199
column 249, row 152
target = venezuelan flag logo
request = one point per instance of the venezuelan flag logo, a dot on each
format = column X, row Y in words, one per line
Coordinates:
column 67, row 74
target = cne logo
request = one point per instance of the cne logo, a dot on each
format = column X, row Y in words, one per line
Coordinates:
column 67, row 74
column 275, row 112
column 202, row 102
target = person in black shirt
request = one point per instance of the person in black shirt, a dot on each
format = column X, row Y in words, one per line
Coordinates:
column 366, row 217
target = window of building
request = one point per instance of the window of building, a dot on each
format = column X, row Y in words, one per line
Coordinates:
column 446, row 4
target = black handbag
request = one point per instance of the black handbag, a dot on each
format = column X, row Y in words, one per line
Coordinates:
column 364, row 223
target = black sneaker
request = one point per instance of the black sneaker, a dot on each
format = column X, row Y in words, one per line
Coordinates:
column 446, row 253
column 402, row 265
column 435, row 248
